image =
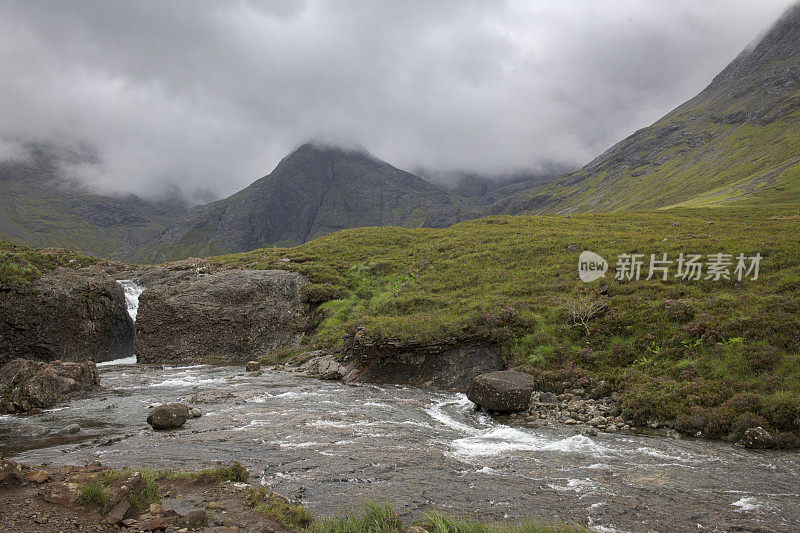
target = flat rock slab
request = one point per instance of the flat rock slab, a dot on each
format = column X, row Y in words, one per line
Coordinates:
column 506, row 391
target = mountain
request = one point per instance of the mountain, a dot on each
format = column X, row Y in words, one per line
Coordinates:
column 738, row 141
column 313, row 191
column 38, row 207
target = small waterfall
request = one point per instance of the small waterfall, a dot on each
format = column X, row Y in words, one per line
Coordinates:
column 132, row 292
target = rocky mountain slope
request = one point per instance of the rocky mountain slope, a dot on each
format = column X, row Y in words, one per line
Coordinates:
column 736, row 141
column 39, row 208
column 314, row 191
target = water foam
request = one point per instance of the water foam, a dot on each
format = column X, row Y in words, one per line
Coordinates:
column 123, row 361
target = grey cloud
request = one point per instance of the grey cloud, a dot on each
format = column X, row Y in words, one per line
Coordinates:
column 208, row 96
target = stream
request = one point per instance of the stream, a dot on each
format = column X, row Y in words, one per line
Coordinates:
column 335, row 445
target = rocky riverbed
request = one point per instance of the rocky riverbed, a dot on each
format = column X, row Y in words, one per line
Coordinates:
column 334, row 445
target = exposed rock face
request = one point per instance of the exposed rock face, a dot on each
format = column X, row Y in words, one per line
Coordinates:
column 231, row 316
column 27, row 385
column 439, row 366
column 314, row 191
column 169, row 416
column 68, row 315
column 506, row 391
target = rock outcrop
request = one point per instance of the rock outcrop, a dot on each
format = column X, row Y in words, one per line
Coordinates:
column 230, row 316
column 506, row 391
column 169, row 416
column 68, row 315
column 450, row 367
column 27, row 385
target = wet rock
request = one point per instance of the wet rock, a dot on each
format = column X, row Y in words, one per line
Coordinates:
column 168, row 416
column 195, row 412
column 239, row 313
column 758, row 438
column 505, row 391
column 28, row 385
column 323, row 365
column 75, row 315
column 29, row 431
column 70, row 429
column 252, row 366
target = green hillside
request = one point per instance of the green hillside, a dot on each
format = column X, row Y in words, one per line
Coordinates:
column 737, row 141
column 38, row 208
column 709, row 356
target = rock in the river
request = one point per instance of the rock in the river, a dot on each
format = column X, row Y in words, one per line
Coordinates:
column 168, row 416
column 195, row 412
column 252, row 366
column 758, row 438
column 235, row 315
column 27, row 385
column 505, row 390
column 68, row 315
column 70, row 429
column 323, row 365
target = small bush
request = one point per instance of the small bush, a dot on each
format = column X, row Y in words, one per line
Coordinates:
column 375, row 518
column 292, row 516
column 93, row 493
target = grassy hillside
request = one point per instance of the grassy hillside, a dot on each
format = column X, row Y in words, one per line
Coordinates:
column 709, row 356
column 737, row 141
column 38, row 208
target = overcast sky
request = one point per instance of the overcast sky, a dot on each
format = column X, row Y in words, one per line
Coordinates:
column 209, row 96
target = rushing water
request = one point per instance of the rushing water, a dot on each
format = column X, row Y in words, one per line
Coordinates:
column 336, row 445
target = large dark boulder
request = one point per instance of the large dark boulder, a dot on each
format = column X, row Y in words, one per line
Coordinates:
column 168, row 416
column 505, row 391
column 27, row 385
column 67, row 315
column 229, row 316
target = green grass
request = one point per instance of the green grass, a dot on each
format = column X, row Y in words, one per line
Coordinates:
column 703, row 356
column 438, row 522
column 93, row 493
column 291, row 516
column 20, row 266
column 375, row 517
column 381, row 517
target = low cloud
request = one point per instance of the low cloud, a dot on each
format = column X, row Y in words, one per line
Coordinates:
column 208, row 96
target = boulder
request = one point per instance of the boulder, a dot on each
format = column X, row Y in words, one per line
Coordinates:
column 168, row 416
column 252, row 366
column 68, row 315
column 323, row 365
column 505, row 391
column 27, row 385
column 69, row 429
column 233, row 316
column 758, row 438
